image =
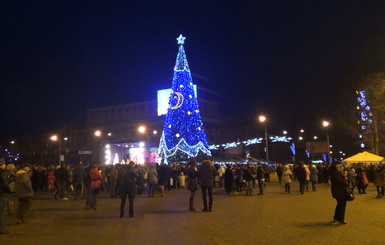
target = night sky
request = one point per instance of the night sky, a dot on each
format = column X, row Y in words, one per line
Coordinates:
column 296, row 61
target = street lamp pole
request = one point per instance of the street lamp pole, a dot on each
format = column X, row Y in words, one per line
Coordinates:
column 56, row 138
column 325, row 124
column 262, row 119
column 267, row 143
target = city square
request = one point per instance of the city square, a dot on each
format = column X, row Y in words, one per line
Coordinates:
column 274, row 218
column 174, row 105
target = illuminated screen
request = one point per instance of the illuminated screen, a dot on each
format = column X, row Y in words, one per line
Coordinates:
column 137, row 155
column 164, row 96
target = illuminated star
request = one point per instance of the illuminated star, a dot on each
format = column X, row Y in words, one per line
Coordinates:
column 181, row 39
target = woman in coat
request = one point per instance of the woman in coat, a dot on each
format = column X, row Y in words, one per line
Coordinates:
column 313, row 177
column 338, row 188
column 192, row 182
column 96, row 178
column 152, row 178
column 287, row 176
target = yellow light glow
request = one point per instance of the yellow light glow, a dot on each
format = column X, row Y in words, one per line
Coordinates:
column 98, row 133
column 54, row 137
column 262, row 118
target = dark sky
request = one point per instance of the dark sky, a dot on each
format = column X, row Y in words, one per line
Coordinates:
column 293, row 60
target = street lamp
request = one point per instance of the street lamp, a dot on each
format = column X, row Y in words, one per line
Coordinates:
column 262, row 119
column 142, row 129
column 55, row 138
column 98, row 133
column 284, row 132
column 325, row 124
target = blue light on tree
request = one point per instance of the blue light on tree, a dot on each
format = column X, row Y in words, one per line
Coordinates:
column 365, row 115
column 183, row 132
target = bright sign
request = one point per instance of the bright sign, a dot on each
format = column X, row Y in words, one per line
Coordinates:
column 163, row 98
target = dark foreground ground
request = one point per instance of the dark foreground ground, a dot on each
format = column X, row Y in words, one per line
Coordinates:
column 274, row 218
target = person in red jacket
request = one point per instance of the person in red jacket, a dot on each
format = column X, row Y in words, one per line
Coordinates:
column 96, row 178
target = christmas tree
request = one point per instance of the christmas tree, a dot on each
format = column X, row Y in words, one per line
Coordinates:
column 183, row 134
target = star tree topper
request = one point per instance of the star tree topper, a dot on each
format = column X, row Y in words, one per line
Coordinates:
column 181, row 39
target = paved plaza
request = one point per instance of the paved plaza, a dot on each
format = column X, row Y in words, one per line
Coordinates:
column 274, row 218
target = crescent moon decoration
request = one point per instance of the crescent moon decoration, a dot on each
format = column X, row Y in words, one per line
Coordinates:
column 180, row 101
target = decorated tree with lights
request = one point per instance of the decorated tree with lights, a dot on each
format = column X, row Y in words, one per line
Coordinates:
column 183, row 134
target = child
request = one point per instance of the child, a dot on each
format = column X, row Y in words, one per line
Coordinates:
column 51, row 181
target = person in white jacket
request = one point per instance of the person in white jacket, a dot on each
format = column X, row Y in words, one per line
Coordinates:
column 287, row 176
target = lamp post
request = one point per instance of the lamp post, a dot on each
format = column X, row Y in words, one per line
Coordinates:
column 325, row 124
column 55, row 138
column 262, row 119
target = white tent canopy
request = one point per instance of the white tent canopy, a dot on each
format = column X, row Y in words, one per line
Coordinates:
column 363, row 157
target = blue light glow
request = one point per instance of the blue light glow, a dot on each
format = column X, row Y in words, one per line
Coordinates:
column 292, row 148
column 183, row 132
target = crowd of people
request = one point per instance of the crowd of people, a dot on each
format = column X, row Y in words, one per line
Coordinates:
column 128, row 180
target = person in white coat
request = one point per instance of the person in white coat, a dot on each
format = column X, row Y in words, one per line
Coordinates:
column 287, row 176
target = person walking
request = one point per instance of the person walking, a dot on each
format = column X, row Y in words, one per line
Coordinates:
column 78, row 180
column 24, row 192
column 163, row 178
column 279, row 171
column 96, row 178
column 61, row 178
column 113, row 181
column 5, row 191
column 313, row 177
column 338, row 188
column 287, row 177
column 260, row 178
column 192, row 182
column 379, row 181
column 228, row 179
column 152, row 178
column 128, row 178
column 249, row 178
column 301, row 175
column 10, row 173
column 207, row 173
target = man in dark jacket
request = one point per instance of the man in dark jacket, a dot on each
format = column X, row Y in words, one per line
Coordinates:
column 301, row 175
column 4, row 195
column 207, row 173
column 61, row 178
column 24, row 192
column 78, row 180
column 260, row 177
column 339, row 189
column 128, row 178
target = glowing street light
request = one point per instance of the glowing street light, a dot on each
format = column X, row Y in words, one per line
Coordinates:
column 55, row 138
column 326, row 124
column 142, row 129
column 262, row 119
column 301, row 130
column 154, row 132
column 98, row 133
column 300, row 138
column 315, row 137
column 284, row 132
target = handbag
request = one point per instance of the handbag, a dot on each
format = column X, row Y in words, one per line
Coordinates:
column 349, row 196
